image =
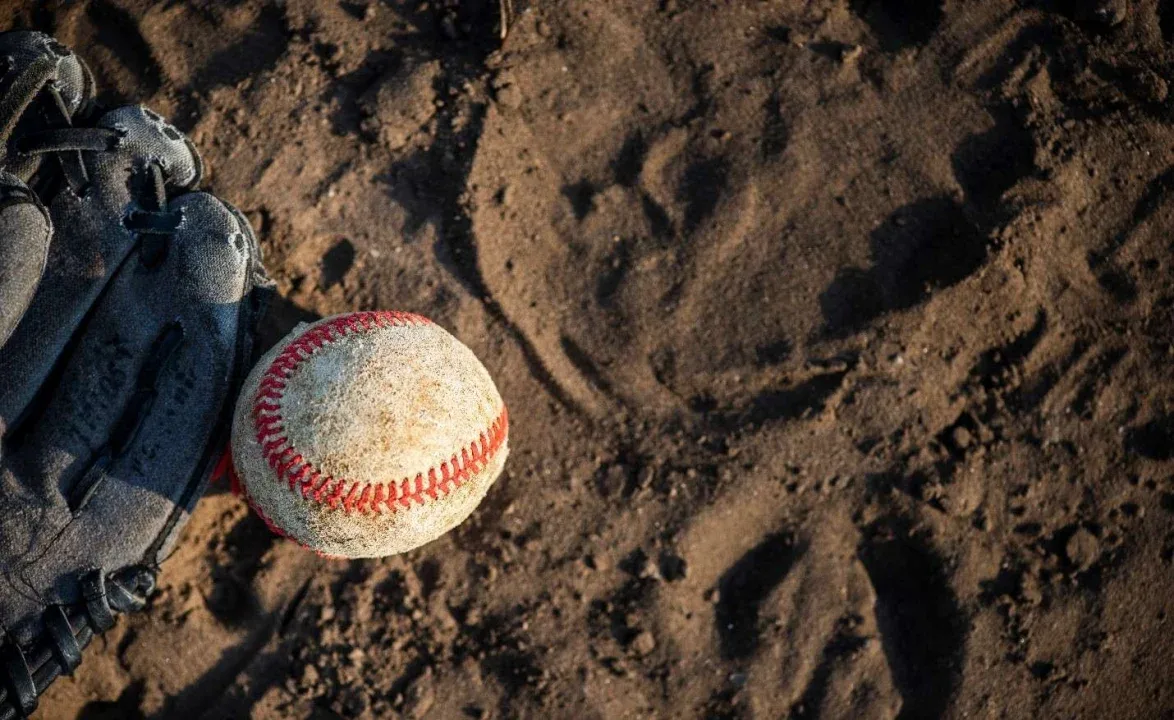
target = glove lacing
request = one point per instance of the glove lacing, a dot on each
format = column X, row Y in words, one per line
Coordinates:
column 68, row 142
column 25, row 672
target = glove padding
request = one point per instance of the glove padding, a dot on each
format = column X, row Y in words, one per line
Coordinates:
column 127, row 308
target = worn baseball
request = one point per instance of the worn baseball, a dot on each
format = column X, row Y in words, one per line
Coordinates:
column 368, row 434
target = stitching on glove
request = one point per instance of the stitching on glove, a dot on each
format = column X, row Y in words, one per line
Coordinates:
column 362, row 496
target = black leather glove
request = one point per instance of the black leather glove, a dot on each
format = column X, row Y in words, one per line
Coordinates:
column 127, row 309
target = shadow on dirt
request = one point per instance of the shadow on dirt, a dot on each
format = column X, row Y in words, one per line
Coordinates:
column 921, row 627
column 922, row 247
column 743, row 588
column 900, row 23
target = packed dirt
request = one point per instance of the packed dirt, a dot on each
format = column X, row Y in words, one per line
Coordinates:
column 837, row 336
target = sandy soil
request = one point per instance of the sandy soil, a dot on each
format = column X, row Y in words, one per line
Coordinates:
column 837, row 337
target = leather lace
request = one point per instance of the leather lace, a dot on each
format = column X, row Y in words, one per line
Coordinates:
column 27, row 672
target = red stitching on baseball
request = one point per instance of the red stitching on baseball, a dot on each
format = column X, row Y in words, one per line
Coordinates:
column 356, row 496
column 238, row 488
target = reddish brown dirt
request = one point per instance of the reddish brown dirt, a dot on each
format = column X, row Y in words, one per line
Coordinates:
column 837, row 338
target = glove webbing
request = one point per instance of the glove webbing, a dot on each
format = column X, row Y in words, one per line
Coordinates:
column 27, row 672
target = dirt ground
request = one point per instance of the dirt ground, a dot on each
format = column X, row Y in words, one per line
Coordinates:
column 837, row 336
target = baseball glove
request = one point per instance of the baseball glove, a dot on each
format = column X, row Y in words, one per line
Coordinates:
column 127, row 307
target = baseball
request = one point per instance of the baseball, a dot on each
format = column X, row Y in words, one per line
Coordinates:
column 368, row 434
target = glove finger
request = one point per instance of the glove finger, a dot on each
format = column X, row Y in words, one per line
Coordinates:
column 43, row 75
column 126, row 437
column 92, row 240
column 24, row 244
column 176, row 296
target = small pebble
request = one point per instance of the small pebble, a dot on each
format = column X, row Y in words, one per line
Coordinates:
column 1082, row 549
column 644, row 643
